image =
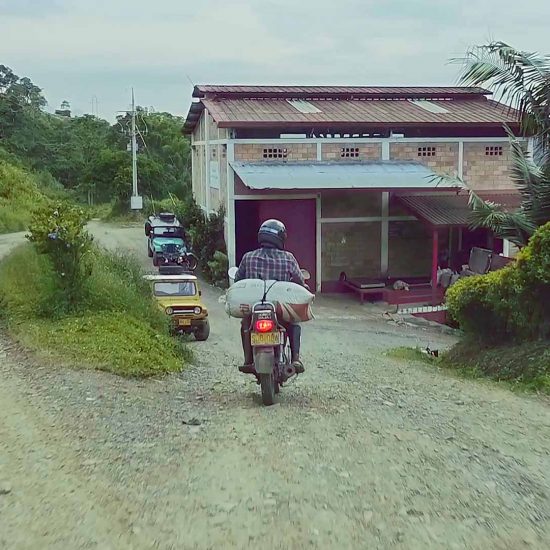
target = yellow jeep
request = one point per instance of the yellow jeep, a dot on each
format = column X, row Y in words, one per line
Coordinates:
column 180, row 297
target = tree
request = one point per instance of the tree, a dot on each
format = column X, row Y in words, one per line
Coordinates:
column 522, row 80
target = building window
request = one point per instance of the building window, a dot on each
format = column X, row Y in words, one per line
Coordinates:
column 426, row 151
column 275, row 153
column 493, row 151
column 349, row 152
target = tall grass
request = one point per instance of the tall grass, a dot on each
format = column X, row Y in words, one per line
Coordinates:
column 117, row 326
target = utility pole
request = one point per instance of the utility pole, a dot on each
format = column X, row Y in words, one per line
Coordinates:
column 136, row 201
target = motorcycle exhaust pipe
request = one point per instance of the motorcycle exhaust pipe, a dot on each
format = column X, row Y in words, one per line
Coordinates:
column 289, row 371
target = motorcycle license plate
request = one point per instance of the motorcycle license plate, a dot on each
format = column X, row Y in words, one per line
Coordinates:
column 184, row 322
column 265, row 339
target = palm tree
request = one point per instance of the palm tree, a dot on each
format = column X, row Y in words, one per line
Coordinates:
column 521, row 80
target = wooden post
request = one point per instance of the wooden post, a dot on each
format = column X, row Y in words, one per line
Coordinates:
column 435, row 257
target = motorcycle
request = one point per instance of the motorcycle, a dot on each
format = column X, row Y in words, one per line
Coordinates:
column 270, row 347
column 172, row 254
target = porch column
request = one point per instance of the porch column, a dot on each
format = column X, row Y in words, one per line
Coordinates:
column 435, row 257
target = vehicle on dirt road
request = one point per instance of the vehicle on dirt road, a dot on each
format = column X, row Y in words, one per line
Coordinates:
column 180, row 297
column 270, row 347
column 167, row 241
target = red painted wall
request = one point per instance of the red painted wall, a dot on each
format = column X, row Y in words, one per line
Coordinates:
column 299, row 216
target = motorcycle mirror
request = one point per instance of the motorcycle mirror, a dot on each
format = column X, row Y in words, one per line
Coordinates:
column 306, row 274
column 232, row 272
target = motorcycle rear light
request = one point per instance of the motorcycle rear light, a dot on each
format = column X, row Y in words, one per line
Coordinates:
column 265, row 325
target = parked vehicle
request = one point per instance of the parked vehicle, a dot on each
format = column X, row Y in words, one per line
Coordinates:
column 179, row 296
column 270, row 346
column 167, row 235
column 175, row 255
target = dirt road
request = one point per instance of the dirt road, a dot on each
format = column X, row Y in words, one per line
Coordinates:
column 363, row 451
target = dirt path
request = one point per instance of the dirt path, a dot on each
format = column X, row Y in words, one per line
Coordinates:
column 362, row 452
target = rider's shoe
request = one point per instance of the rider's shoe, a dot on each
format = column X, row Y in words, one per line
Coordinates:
column 247, row 369
column 298, row 366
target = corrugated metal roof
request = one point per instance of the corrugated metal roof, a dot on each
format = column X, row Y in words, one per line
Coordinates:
column 332, row 175
column 236, row 113
column 289, row 92
column 446, row 210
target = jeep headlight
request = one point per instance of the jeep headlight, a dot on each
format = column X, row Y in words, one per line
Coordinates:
column 169, row 311
column 197, row 310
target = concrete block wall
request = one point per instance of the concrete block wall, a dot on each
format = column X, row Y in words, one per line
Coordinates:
column 350, row 247
column 444, row 161
column 367, row 151
column 484, row 171
column 409, row 249
column 254, row 152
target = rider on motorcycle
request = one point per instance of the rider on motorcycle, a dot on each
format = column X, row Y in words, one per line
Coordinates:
column 271, row 262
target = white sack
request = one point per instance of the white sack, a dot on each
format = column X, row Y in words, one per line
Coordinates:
column 293, row 302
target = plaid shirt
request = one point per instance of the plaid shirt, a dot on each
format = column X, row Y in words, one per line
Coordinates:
column 270, row 264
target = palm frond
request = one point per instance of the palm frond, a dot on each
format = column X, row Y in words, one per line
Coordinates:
column 521, row 79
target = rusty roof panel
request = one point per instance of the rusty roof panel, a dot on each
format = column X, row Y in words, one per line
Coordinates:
column 253, row 112
column 453, row 210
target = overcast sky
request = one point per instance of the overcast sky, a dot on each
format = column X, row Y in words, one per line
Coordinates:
column 76, row 49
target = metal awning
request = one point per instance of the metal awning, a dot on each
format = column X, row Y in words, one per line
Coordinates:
column 333, row 175
column 453, row 210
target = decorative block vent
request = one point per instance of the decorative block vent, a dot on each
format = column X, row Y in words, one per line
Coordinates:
column 349, row 152
column 275, row 153
column 493, row 151
column 426, row 151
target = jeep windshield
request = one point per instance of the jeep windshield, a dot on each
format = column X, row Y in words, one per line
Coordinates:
column 175, row 288
column 168, row 232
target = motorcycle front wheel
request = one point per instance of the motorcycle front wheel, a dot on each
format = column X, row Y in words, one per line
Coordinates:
column 267, row 384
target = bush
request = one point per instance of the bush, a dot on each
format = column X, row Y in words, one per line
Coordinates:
column 218, row 268
column 59, row 231
column 509, row 304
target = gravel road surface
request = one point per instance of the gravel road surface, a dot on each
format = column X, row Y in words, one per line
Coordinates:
column 362, row 452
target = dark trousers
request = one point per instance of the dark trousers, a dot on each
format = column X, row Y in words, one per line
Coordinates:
column 294, row 333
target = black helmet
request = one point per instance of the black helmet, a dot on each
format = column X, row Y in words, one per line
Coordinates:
column 272, row 232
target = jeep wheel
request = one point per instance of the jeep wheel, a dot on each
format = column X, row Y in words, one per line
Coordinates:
column 149, row 251
column 155, row 259
column 202, row 333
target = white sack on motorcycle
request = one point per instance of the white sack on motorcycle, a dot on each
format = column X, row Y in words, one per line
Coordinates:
column 293, row 302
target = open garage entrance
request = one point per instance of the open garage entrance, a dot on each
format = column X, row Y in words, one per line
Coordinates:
column 299, row 216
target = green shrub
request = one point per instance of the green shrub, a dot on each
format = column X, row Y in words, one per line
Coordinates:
column 218, row 267
column 59, row 231
column 509, row 304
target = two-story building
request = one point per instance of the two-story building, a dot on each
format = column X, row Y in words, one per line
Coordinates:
column 350, row 170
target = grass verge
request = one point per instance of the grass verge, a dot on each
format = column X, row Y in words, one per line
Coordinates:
column 522, row 367
column 117, row 327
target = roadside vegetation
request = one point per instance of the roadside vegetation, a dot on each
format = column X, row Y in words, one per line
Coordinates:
column 74, row 303
column 86, row 157
column 207, row 234
column 505, row 318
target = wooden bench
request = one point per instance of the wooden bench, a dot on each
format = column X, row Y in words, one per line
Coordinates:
column 363, row 286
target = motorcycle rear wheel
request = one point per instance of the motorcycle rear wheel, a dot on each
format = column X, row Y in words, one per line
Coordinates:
column 267, row 384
